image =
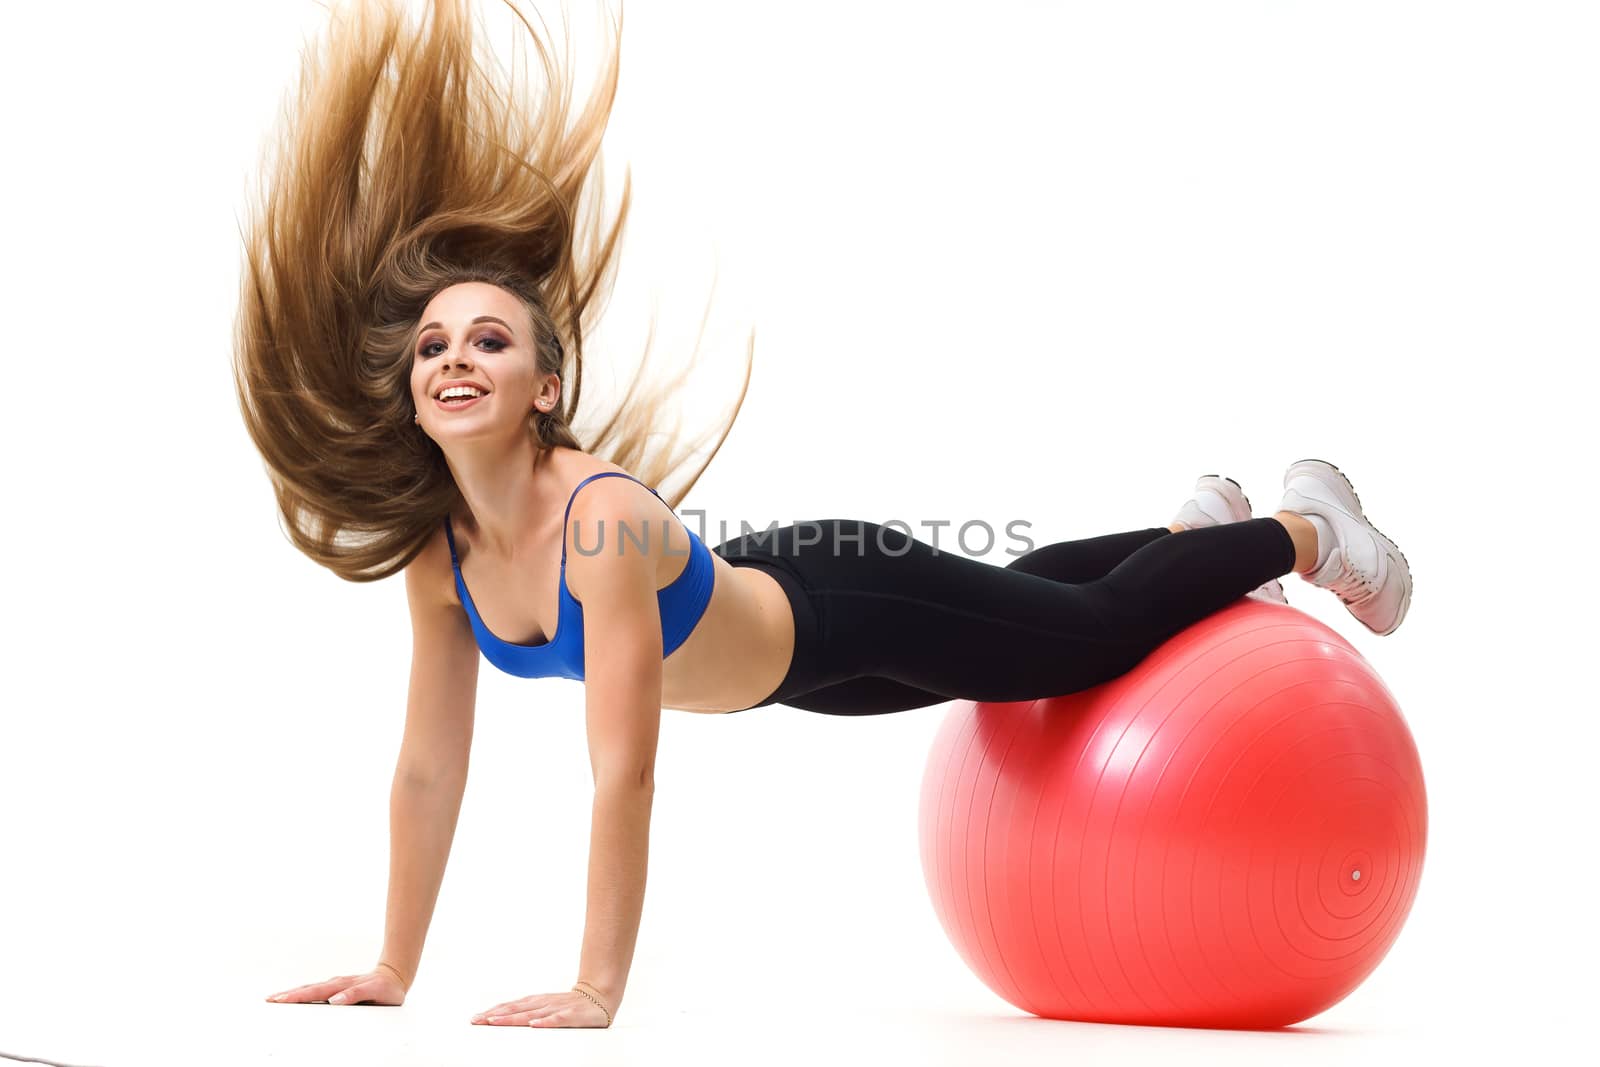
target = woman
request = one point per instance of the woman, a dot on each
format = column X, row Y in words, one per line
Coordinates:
column 419, row 281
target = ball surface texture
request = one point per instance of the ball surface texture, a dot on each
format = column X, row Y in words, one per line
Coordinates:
column 1230, row 834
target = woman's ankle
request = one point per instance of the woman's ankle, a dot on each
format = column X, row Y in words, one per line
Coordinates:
column 1304, row 536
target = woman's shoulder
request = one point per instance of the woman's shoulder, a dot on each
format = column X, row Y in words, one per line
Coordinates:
column 580, row 470
column 598, row 516
column 622, row 499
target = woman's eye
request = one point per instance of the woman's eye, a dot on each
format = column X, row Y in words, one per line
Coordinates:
column 427, row 349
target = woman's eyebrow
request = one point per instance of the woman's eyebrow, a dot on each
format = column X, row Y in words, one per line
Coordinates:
column 474, row 322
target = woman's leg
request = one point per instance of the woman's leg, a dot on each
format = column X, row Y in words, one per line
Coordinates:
column 1084, row 560
column 954, row 627
column 866, row 695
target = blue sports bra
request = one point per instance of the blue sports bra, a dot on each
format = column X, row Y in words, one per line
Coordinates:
column 683, row 601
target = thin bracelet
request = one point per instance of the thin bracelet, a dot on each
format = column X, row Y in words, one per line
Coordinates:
column 397, row 974
column 597, row 1003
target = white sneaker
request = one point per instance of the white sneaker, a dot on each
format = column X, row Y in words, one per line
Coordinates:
column 1219, row 500
column 1361, row 566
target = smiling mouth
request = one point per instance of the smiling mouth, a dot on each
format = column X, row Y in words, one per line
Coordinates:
column 456, row 403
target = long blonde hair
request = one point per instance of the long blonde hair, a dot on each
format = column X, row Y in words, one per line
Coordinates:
column 405, row 165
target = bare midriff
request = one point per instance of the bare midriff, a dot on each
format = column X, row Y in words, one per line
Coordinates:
column 739, row 651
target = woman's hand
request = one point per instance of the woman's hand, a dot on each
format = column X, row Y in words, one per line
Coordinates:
column 377, row 986
column 546, row 1009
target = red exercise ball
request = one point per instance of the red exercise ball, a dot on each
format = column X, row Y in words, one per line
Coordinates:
column 1228, row 835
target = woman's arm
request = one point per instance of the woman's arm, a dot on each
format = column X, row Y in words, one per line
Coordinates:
column 622, row 671
column 422, row 823
column 431, row 773
column 619, row 846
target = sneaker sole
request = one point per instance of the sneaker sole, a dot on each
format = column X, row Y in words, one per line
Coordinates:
column 1405, row 602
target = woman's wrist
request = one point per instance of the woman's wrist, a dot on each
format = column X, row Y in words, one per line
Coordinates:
column 605, row 999
column 405, row 982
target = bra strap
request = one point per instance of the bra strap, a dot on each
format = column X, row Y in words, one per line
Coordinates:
column 574, row 496
column 450, row 536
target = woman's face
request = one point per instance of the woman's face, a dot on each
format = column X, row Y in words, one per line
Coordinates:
column 477, row 335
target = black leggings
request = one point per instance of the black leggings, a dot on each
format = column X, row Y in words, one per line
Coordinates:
column 885, row 622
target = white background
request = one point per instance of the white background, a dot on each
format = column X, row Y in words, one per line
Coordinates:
column 1003, row 259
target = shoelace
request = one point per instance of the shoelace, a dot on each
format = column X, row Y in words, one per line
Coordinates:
column 1352, row 586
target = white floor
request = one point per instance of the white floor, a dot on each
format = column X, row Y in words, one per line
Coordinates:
column 860, row 1021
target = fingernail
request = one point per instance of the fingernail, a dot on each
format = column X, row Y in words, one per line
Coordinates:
column 337, row 998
